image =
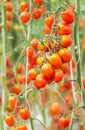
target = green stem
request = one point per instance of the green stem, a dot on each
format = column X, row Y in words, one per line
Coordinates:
column 4, row 87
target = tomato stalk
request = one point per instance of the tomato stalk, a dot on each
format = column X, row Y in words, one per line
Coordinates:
column 4, row 87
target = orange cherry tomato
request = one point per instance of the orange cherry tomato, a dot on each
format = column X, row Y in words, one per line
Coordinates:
column 12, row 100
column 55, row 60
column 20, row 68
column 58, row 75
column 66, row 41
column 9, row 120
column 54, row 108
column 9, row 6
column 64, row 28
column 24, row 113
column 16, row 89
column 40, row 81
column 34, row 43
column 22, row 127
column 9, row 15
column 65, row 55
column 24, row 17
column 49, row 20
column 24, row 6
column 36, row 13
column 68, row 16
column 47, row 70
column 32, row 73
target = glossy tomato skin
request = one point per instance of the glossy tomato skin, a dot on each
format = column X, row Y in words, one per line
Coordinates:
column 58, row 75
column 9, row 120
column 49, row 20
column 24, row 6
column 66, row 41
column 65, row 55
column 12, row 100
column 40, row 81
column 32, row 73
column 47, row 70
column 24, row 17
column 38, row 2
column 22, row 127
column 34, row 43
column 55, row 60
column 24, row 113
column 68, row 16
column 64, row 28
column 64, row 122
column 36, row 13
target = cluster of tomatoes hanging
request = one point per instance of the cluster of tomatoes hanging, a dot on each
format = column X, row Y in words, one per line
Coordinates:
column 48, row 58
column 9, row 15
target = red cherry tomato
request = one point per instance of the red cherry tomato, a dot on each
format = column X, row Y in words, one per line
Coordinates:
column 38, row 2
column 24, row 6
column 24, row 17
column 64, row 122
column 58, row 75
column 9, row 120
column 36, row 13
column 24, row 113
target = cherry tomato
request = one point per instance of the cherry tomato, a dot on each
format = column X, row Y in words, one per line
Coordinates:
column 24, row 6
column 20, row 68
column 40, row 81
column 36, row 13
column 16, row 89
column 9, row 25
column 38, row 2
column 68, row 16
column 12, row 100
column 9, row 120
column 46, row 29
column 40, row 61
column 65, row 68
column 64, row 122
column 49, row 20
column 47, row 70
column 8, row 62
column 9, row 15
column 32, row 73
column 64, row 28
column 55, row 60
column 34, row 43
column 65, row 55
column 24, row 17
column 29, row 51
column 54, row 108
column 66, row 41
column 58, row 75
column 24, row 113
column 22, row 127
column 9, row 6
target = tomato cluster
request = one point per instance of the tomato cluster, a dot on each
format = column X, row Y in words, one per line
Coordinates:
column 25, row 11
column 9, row 15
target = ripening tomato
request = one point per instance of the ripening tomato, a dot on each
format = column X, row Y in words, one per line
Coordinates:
column 65, row 55
column 54, row 108
column 12, row 100
column 22, row 127
column 64, row 122
column 41, row 47
column 24, row 6
column 40, row 81
column 16, row 89
column 36, row 13
column 46, row 29
column 9, row 15
column 65, row 68
column 23, row 80
column 49, row 20
column 40, row 60
column 47, row 70
column 20, row 68
column 34, row 43
column 66, row 41
column 9, row 120
column 68, row 16
column 58, row 75
column 55, row 60
column 24, row 113
column 38, row 2
column 64, row 28
column 9, row 6
column 32, row 73
column 24, row 17
column 9, row 25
